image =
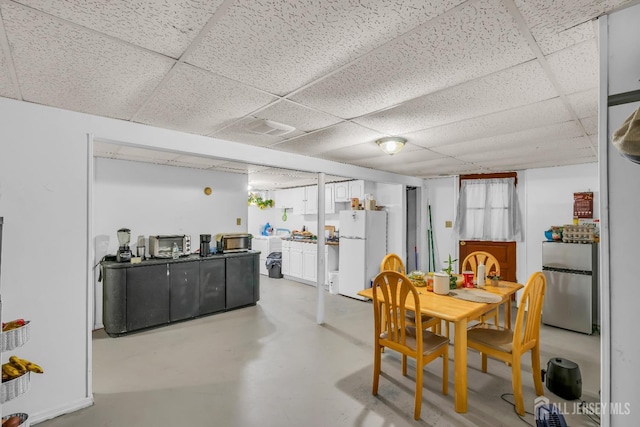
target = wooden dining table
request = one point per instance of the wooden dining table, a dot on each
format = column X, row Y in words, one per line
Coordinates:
column 459, row 312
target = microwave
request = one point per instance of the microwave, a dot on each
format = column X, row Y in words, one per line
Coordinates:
column 233, row 242
column 161, row 246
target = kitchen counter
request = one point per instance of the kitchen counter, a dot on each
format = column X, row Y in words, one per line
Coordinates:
column 328, row 243
column 159, row 291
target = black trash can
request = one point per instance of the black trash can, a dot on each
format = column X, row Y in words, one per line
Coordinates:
column 274, row 265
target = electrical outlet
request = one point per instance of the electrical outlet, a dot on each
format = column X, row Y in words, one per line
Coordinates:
column 448, row 224
column 238, row 221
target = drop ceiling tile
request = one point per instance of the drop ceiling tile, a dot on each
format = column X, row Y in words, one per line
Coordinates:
column 341, row 135
column 63, row 66
column 546, row 18
column 524, row 151
column 522, row 138
column 296, row 115
column 279, row 45
column 136, row 152
column 553, row 42
column 409, row 155
column 475, row 40
column 576, row 68
column 7, row 88
column 590, row 125
column 197, row 101
column 238, row 132
column 161, row 26
column 432, row 167
column 511, row 88
column 585, row 104
column 535, row 115
column 353, row 153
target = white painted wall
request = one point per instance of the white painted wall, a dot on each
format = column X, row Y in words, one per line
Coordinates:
column 44, row 198
column 545, row 196
column 153, row 199
column 620, row 179
column 442, row 196
column 549, row 201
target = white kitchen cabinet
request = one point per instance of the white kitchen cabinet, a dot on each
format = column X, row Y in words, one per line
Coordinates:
column 347, row 190
column 284, row 199
column 266, row 245
column 329, row 203
column 298, row 200
column 311, row 199
column 356, row 189
column 295, row 260
column 286, row 259
column 310, row 262
column 341, row 191
column 300, row 261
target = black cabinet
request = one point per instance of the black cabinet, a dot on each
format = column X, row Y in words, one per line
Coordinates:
column 114, row 300
column 242, row 281
column 147, row 296
column 212, row 285
column 184, row 290
column 159, row 291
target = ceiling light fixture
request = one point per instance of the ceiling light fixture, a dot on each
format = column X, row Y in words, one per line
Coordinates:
column 391, row 144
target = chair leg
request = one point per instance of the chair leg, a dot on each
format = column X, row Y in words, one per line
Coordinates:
column 404, row 365
column 535, row 369
column 418, row 402
column 445, row 370
column 376, row 369
column 516, row 381
column 484, row 362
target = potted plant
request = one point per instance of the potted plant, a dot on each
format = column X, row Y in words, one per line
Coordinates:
column 256, row 199
column 453, row 280
column 494, row 278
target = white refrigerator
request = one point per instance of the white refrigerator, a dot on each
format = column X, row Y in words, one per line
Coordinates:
column 363, row 244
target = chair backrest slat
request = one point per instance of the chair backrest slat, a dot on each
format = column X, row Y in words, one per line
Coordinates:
column 392, row 262
column 474, row 259
column 528, row 330
column 391, row 290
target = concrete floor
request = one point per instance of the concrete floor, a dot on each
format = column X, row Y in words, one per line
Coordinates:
column 272, row 365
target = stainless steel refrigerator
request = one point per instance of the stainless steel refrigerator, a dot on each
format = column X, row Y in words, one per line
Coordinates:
column 571, row 299
column 363, row 244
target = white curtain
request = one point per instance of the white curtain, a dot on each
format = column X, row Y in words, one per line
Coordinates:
column 488, row 210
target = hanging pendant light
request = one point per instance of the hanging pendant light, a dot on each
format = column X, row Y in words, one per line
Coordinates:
column 391, row 144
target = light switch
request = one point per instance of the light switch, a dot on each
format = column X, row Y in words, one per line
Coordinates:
column 238, row 221
column 448, row 224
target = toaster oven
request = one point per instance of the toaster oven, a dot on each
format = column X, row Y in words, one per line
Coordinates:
column 161, row 246
column 233, row 242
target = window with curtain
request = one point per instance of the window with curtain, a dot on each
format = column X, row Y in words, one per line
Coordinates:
column 488, row 210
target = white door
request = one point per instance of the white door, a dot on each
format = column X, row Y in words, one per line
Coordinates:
column 352, row 267
column 352, row 224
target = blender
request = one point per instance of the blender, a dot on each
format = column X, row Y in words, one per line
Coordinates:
column 205, row 249
column 124, row 252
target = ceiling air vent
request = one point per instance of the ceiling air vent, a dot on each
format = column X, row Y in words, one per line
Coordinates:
column 269, row 127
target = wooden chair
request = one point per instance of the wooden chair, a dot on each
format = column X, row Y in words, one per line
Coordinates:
column 392, row 290
column 509, row 345
column 471, row 263
column 393, row 262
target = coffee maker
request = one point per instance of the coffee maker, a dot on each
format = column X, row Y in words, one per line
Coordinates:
column 124, row 252
column 205, row 240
